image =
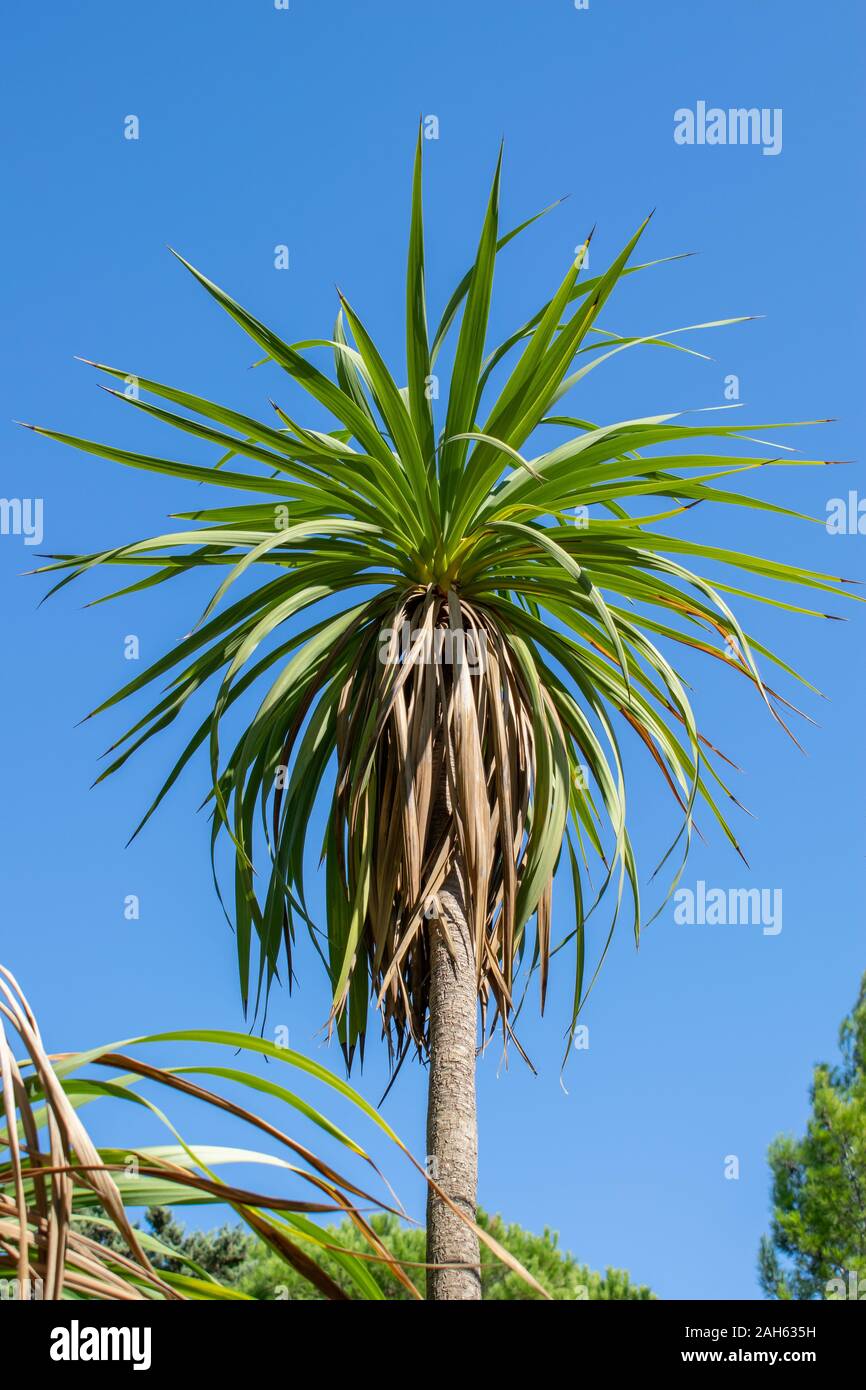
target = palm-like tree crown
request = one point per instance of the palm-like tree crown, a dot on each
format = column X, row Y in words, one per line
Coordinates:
column 464, row 714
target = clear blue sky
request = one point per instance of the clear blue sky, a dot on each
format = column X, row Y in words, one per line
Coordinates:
column 261, row 127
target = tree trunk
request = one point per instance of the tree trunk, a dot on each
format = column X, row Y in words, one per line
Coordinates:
column 452, row 1124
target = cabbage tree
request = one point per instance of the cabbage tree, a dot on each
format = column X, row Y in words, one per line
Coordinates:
column 467, row 589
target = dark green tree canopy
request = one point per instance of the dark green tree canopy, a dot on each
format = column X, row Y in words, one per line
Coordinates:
column 234, row 1257
column 817, row 1244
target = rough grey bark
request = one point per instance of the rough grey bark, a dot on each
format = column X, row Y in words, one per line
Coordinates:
column 452, row 1125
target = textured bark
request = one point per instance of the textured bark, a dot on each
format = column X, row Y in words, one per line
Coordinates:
column 452, row 1125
